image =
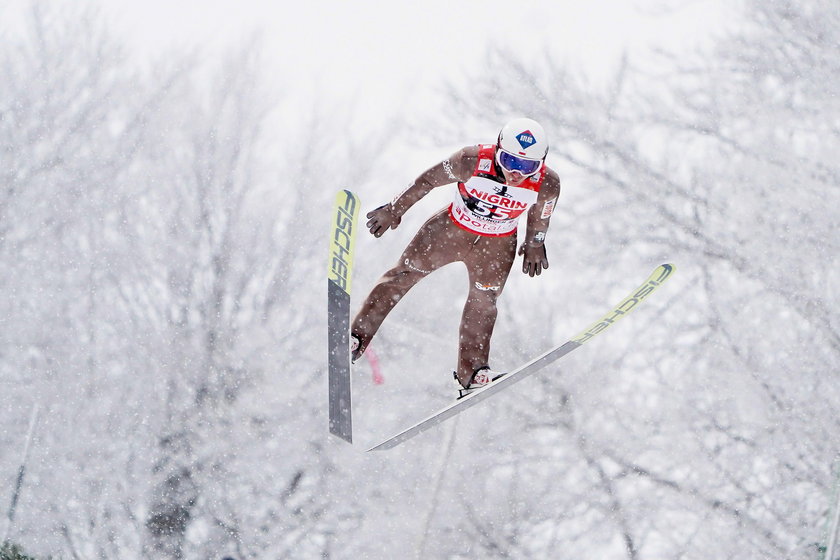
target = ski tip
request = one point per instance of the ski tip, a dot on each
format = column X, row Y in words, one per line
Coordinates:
column 347, row 194
column 628, row 304
column 665, row 271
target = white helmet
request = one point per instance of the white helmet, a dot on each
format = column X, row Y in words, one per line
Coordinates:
column 522, row 146
column 524, row 138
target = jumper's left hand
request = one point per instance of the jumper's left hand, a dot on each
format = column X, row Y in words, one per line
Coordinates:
column 534, row 258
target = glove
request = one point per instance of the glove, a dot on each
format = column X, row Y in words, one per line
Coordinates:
column 534, row 258
column 382, row 218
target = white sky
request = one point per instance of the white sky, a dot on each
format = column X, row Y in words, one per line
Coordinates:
column 383, row 52
column 378, row 59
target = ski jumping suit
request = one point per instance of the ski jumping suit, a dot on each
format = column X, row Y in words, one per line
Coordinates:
column 479, row 229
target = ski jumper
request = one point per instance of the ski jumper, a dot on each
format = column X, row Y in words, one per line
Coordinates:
column 479, row 229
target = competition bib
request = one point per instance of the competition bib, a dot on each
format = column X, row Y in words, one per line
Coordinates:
column 487, row 207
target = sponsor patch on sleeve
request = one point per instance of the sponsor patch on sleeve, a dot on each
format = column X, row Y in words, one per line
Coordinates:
column 447, row 168
column 548, row 208
column 484, row 164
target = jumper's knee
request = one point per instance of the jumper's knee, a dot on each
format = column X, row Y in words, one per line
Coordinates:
column 401, row 278
column 485, row 295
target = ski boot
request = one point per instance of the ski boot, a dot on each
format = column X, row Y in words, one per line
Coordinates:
column 481, row 377
column 356, row 348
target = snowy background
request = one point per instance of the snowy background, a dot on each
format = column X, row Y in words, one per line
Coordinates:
column 166, row 175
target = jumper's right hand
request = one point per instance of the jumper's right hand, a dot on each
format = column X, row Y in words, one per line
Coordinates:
column 382, row 218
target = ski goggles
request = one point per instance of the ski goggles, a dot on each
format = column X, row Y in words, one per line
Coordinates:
column 515, row 163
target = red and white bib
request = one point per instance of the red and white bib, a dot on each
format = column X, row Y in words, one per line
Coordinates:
column 484, row 205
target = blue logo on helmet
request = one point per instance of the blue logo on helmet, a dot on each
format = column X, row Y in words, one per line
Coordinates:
column 526, row 139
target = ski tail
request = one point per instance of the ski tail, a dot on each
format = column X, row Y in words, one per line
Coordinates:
column 340, row 266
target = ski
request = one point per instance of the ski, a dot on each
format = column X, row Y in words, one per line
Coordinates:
column 618, row 311
column 340, row 265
